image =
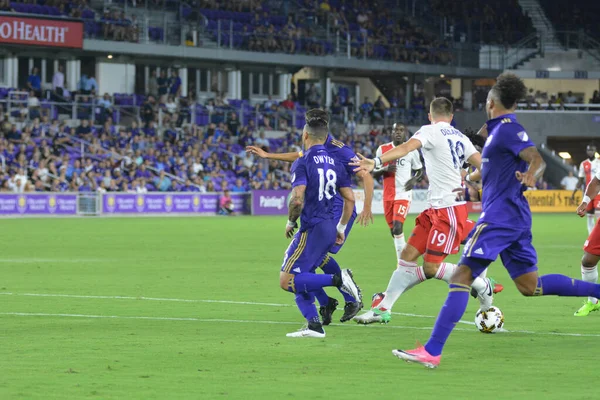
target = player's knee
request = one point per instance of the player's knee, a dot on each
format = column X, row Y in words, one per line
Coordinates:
column 409, row 253
column 589, row 261
column 284, row 281
column 527, row 288
column 430, row 269
column 397, row 229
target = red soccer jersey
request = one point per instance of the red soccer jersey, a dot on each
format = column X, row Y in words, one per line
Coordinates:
column 393, row 185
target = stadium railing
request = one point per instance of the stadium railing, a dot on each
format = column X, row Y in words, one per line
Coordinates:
column 559, row 107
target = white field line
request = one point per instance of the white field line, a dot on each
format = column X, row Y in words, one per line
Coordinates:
column 241, row 321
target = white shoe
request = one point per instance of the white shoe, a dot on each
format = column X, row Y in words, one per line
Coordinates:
column 368, row 317
column 305, row 332
column 486, row 298
column 349, row 286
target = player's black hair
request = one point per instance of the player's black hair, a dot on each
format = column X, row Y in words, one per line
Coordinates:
column 509, row 89
column 441, row 106
column 317, row 123
column 477, row 140
column 317, row 118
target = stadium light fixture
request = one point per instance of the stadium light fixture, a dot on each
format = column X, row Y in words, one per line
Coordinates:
column 442, row 76
column 565, row 155
column 109, row 56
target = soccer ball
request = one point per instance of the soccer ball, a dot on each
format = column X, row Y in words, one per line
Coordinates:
column 489, row 321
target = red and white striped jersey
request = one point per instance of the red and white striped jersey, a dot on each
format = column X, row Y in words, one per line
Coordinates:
column 588, row 169
column 393, row 185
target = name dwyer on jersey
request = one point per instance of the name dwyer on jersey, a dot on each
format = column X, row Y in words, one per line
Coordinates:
column 323, row 160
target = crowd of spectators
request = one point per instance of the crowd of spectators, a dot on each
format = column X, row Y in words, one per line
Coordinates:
column 538, row 100
column 117, row 26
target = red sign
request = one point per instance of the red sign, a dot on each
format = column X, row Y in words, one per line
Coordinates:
column 41, row 32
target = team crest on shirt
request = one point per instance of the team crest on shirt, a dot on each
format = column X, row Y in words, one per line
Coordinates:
column 523, row 136
column 293, row 177
column 488, row 141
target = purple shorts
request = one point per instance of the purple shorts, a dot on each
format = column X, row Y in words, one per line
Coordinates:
column 514, row 246
column 309, row 247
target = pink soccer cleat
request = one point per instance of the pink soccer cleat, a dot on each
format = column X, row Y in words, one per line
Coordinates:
column 418, row 355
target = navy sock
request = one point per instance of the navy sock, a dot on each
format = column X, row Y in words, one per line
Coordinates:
column 330, row 266
column 561, row 285
column 309, row 282
column 452, row 311
column 306, row 304
column 321, row 296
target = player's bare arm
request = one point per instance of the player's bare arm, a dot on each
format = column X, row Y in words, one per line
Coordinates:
column 475, row 161
column 591, row 192
column 366, row 216
column 483, row 131
column 417, row 175
column 379, row 172
column 287, row 157
column 536, row 169
column 367, row 164
column 348, row 197
column 580, row 186
column 295, row 209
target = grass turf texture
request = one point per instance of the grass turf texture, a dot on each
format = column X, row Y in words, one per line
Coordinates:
column 191, row 354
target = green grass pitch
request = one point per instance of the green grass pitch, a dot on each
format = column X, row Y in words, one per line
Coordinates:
column 166, row 308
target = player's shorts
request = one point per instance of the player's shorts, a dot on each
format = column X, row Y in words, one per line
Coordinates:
column 593, row 205
column 395, row 210
column 308, row 247
column 336, row 218
column 439, row 232
column 513, row 245
column 592, row 244
column 469, row 225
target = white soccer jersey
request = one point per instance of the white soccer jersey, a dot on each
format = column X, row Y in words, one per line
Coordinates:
column 393, row 186
column 445, row 150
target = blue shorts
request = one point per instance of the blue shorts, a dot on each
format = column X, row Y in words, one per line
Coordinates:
column 513, row 245
column 308, row 248
column 337, row 215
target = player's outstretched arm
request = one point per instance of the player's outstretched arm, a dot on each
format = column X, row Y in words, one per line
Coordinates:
column 287, row 157
column 295, row 209
column 348, row 196
column 536, row 169
column 366, row 216
column 591, row 192
column 367, row 164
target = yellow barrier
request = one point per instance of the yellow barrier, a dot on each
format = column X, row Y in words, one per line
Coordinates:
column 553, row 200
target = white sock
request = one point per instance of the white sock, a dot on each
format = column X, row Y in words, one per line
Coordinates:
column 445, row 272
column 485, row 294
column 407, row 275
column 590, row 275
column 591, row 221
column 399, row 243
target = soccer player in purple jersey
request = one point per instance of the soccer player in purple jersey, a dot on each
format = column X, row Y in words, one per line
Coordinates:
column 510, row 164
column 344, row 155
column 317, row 178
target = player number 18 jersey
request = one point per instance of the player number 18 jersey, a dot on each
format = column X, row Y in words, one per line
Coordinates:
column 445, row 149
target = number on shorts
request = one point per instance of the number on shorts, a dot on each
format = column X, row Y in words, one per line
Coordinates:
column 327, row 189
column 458, row 153
column 402, row 209
column 438, row 237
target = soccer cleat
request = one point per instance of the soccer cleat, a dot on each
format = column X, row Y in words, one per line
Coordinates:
column 310, row 330
column 419, row 356
column 349, row 286
column 587, row 308
column 372, row 316
column 351, row 308
column 326, row 312
column 498, row 287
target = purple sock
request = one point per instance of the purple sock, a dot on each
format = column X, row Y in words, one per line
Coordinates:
column 306, row 304
column 308, row 282
column 560, row 285
column 330, row 266
column 321, row 296
column 452, row 311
